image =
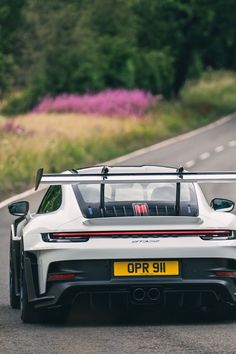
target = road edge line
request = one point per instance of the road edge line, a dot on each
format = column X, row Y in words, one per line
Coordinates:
column 174, row 140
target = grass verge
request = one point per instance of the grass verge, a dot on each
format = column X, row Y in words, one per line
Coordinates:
column 64, row 141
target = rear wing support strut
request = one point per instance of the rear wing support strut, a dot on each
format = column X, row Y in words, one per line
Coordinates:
column 179, row 171
column 104, row 173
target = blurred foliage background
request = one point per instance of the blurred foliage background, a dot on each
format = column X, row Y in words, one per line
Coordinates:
column 57, row 46
column 181, row 51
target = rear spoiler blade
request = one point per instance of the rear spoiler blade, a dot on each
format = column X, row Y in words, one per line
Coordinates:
column 110, row 178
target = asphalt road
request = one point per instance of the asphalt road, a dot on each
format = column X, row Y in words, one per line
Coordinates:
column 214, row 149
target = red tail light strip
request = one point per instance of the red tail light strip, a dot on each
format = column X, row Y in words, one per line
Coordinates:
column 163, row 232
column 225, row 273
column 61, row 276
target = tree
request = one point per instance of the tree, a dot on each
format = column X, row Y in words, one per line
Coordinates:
column 10, row 19
column 57, row 46
column 198, row 34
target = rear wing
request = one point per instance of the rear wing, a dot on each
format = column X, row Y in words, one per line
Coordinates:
column 104, row 177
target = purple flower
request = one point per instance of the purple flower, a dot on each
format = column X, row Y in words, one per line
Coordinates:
column 11, row 127
column 113, row 103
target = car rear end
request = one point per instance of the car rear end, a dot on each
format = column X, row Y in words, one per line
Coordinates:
column 136, row 243
column 163, row 268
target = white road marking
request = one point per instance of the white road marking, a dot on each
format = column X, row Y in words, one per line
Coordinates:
column 219, row 148
column 141, row 152
column 23, row 195
column 189, row 164
column 232, row 143
column 204, row 155
column 171, row 141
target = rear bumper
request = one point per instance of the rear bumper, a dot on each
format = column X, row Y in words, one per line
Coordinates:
column 196, row 285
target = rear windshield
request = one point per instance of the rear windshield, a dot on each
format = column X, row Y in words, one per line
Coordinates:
column 136, row 199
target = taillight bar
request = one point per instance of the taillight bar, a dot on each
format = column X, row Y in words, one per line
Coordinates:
column 84, row 236
column 162, row 232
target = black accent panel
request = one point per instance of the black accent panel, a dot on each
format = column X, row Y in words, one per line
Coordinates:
column 85, row 270
column 204, row 268
column 31, row 273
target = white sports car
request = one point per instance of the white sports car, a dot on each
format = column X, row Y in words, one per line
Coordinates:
column 123, row 236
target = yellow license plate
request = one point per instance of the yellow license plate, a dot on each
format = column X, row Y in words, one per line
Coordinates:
column 146, row 268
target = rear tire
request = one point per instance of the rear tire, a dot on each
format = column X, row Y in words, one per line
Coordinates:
column 14, row 299
column 28, row 313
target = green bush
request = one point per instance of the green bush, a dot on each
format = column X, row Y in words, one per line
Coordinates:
column 214, row 93
column 20, row 103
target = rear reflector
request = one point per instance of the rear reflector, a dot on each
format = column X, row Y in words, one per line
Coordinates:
column 61, row 276
column 225, row 273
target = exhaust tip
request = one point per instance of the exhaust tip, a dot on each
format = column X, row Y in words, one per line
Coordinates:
column 139, row 294
column 153, row 294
